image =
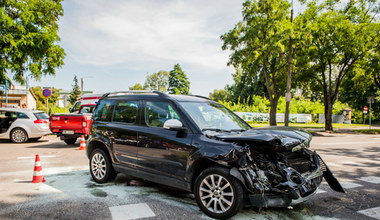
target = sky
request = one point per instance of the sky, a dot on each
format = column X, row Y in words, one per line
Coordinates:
column 114, row 44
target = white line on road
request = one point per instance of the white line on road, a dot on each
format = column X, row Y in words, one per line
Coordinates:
column 32, row 157
column 373, row 212
column 350, row 185
column 370, row 179
column 132, row 211
column 350, row 143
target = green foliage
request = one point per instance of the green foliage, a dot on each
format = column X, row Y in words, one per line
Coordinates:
column 342, row 35
column 178, row 82
column 75, row 93
column 137, row 86
column 28, row 38
column 219, row 95
column 157, row 81
column 258, row 45
column 42, row 99
column 259, row 105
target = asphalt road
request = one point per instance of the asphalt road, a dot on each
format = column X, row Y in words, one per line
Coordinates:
column 70, row 193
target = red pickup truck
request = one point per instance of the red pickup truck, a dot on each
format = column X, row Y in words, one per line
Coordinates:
column 71, row 126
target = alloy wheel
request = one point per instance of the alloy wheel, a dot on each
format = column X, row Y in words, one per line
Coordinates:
column 98, row 166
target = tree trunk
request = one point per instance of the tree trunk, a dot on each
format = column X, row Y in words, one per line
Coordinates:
column 273, row 111
column 328, row 114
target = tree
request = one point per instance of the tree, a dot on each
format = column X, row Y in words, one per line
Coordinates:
column 341, row 37
column 219, row 95
column 258, row 44
column 246, row 86
column 74, row 95
column 28, row 38
column 178, row 83
column 42, row 99
column 137, row 86
column 157, row 81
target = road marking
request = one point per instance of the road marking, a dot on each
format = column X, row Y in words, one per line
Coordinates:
column 335, row 165
column 350, row 163
column 320, row 191
column 350, row 185
column 132, row 211
column 373, row 212
column 370, row 179
column 343, row 143
column 32, row 157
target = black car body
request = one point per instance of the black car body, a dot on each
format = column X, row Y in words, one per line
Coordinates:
column 177, row 140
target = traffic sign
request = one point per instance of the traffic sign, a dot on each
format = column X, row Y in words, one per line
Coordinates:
column 2, row 87
column 365, row 110
column 46, row 92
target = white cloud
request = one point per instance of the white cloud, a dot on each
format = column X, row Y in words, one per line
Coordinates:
column 130, row 38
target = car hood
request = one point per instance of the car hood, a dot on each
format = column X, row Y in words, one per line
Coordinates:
column 270, row 136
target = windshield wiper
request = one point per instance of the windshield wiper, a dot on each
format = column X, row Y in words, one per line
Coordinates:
column 215, row 129
column 238, row 130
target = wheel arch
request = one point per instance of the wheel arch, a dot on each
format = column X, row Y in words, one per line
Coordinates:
column 98, row 144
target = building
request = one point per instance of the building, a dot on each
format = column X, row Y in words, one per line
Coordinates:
column 19, row 97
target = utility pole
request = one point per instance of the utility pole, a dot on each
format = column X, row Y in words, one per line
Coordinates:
column 81, row 85
column 288, row 96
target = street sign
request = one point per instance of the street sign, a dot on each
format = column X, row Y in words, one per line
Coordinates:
column 46, row 92
column 365, row 110
column 371, row 99
column 2, row 87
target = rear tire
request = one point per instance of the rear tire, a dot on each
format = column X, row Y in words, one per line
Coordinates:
column 218, row 194
column 19, row 135
column 101, row 168
column 70, row 140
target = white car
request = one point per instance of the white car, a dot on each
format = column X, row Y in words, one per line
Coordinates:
column 21, row 125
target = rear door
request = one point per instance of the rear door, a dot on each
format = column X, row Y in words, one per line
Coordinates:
column 161, row 151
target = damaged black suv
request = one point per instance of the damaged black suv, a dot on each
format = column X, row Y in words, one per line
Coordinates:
column 198, row 145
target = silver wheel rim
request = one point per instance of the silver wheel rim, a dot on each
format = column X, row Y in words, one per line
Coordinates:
column 18, row 136
column 216, row 193
column 98, row 166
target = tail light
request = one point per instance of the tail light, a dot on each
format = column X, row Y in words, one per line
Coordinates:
column 40, row 121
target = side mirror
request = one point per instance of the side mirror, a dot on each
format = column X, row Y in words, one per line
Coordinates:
column 173, row 124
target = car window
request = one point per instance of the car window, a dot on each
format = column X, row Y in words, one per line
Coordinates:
column 156, row 113
column 126, row 111
column 103, row 112
column 87, row 109
column 22, row 115
column 75, row 107
column 41, row 115
column 8, row 115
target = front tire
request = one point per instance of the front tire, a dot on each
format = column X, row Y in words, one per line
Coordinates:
column 101, row 166
column 218, row 194
column 19, row 135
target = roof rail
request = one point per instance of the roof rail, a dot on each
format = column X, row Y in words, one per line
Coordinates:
column 133, row 92
column 199, row 96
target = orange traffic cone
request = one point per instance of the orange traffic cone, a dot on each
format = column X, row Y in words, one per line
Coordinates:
column 37, row 175
column 82, row 145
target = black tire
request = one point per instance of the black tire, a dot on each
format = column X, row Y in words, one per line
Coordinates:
column 70, row 140
column 18, row 135
column 226, row 196
column 101, row 168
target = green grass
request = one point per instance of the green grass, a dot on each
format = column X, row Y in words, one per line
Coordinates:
column 367, row 131
column 307, row 125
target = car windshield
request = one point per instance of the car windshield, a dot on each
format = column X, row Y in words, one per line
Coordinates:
column 214, row 117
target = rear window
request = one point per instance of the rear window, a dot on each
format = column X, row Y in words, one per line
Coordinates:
column 126, row 112
column 41, row 115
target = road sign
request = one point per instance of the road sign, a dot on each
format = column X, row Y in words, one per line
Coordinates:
column 46, row 92
column 371, row 99
column 365, row 110
column 2, row 87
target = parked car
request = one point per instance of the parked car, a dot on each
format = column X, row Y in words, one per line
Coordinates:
column 71, row 126
column 198, row 145
column 21, row 125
